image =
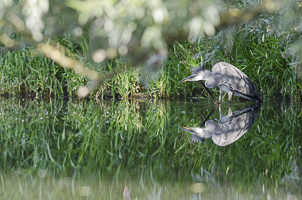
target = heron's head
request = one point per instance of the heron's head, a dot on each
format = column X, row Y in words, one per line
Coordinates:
column 200, row 132
column 198, row 73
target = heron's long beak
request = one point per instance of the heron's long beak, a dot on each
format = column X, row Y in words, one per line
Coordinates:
column 188, row 78
column 187, row 129
column 194, row 137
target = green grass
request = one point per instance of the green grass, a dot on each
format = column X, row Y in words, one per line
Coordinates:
column 261, row 58
column 23, row 73
column 262, row 61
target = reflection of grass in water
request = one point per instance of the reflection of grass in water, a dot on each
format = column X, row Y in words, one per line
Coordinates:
column 141, row 183
column 113, row 138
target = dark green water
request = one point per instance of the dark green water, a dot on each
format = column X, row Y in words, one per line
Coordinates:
column 56, row 149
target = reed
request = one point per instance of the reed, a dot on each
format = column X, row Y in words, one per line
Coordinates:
column 261, row 57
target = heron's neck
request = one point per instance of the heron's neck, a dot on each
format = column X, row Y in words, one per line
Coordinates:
column 210, row 80
column 204, row 132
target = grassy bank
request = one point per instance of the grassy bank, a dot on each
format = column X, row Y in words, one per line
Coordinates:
column 263, row 59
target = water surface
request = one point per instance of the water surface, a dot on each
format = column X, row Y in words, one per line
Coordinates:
column 70, row 149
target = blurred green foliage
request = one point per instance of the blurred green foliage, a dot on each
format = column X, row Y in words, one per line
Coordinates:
column 260, row 37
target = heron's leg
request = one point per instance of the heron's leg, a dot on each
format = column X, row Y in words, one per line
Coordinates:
column 206, row 119
column 220, row 93
column 230, row 113
column 210, row 93
column 230, row 95
column 219, row 108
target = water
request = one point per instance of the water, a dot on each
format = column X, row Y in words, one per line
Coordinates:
column 70, row 149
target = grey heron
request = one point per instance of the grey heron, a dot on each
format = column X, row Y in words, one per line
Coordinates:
column 229, row 79
column 228, row 129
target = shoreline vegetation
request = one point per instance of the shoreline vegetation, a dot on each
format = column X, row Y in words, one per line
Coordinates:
column 263, row 59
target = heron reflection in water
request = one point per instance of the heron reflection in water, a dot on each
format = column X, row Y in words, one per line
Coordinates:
column 229, row 79
column 228, row 129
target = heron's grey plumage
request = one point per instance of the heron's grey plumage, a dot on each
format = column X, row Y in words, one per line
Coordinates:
column 195, row 70
column 228, row 129
column 229, row 79
column 239, row 83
